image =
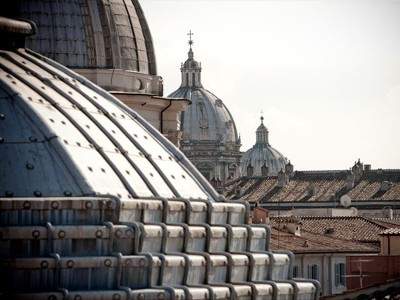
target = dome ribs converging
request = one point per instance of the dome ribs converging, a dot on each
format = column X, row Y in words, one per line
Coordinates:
column 71, row 90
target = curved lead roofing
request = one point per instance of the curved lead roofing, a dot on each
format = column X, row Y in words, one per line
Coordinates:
column 263, row 154
column 207, row 119
column 60, row 135
column 90, row 34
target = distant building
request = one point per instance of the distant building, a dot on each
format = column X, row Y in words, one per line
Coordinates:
column 209, row 136
column 262, row 159
column 333, row 249
column 358, row 191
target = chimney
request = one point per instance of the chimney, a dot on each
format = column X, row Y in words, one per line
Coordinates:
column 282, row 179
column 312, row 190
column 367, row 168
column 293, row 226
column 260, row 215
column 350, row 180
column 289, row 169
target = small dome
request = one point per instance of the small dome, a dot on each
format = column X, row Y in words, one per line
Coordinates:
column 262, row 154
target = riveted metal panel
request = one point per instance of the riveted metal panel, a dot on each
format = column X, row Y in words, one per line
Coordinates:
column 153, row 294
column 259, row 238
column 238, row 239
column 145, row 211
column 264, row 291
column 27, row 274
column 228, row 213
column 260, row 266
column 243, row 292
column 284, row 290
column 174, row 239
column 177, row 211
column 67, row 210
column 218, row 240
column 198, row 212
column 280, row 266
column 221, row 292
column 218, row 272
column 239, row 268
column 152, row 238
column 196, row 239
column 196, row 270
column 175, row 173
column 174, row 270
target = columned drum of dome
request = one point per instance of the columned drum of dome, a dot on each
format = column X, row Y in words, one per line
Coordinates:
column 209, row 135
column 262, row 159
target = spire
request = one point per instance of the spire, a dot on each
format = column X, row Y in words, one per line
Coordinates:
column 262, row 133
column 191, row 69
column 190, row 42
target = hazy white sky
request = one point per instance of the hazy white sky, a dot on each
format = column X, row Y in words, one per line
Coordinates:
column 326, row 73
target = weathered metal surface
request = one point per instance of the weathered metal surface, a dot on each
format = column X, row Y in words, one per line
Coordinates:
column 96, row 204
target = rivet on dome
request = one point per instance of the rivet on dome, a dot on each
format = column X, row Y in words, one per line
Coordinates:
column 36, row 234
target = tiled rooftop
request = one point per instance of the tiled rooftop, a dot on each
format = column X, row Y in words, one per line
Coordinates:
column 315, row 242
column 346, row 228
column 318, row 186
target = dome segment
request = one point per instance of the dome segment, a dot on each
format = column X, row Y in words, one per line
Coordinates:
column 263, row 159
column 96, row 38
column 63, row 136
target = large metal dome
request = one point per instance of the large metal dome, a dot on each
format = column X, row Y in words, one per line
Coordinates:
column 108, row 42
column 63, row 136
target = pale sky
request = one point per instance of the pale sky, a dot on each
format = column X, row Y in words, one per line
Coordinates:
column 325, row 73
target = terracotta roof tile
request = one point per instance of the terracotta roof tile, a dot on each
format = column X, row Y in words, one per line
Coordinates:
column 346, row 228
column 314, row 242
column 319, row 186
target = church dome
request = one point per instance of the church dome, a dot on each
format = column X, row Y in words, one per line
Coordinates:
column 63, row 136
column 209, row 135
column 207, row 119
column 262, row 159
column 95, row 35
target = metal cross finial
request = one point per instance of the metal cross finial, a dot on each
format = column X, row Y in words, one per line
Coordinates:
column 262, row 118
column 190, row 38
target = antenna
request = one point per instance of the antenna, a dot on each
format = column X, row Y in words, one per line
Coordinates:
column 345, row 201
column 360, row 274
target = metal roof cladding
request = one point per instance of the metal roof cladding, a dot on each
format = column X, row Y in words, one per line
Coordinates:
column 61, row 135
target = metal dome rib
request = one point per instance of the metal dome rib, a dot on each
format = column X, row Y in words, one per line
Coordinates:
column 161, row 172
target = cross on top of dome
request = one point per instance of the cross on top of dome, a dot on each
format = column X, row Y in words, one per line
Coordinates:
column 190, row 38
